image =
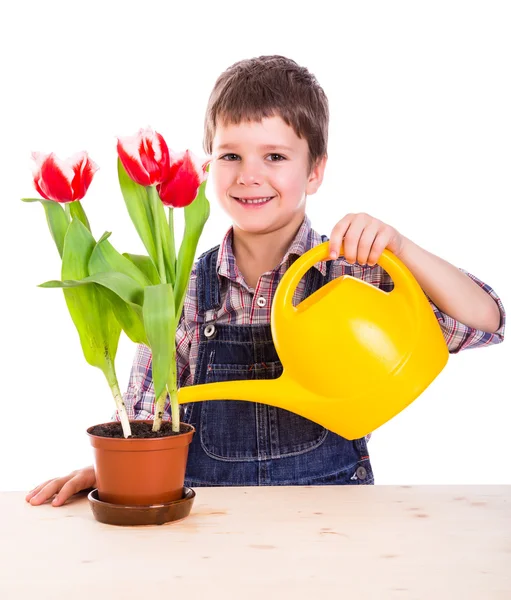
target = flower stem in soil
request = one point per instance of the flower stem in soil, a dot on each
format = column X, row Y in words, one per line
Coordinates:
column 121, row 409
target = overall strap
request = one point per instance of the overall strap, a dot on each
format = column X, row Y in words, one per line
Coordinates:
column 208, row 284
column 314, row 280
column 328, row 276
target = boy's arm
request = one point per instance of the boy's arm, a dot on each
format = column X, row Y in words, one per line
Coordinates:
column 453, row 291
column 458, row 336
column 469, row 311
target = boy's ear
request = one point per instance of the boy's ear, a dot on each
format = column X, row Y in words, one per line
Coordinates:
column 316, row 176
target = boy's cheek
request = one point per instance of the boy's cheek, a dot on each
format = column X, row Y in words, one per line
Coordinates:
column 215, row 189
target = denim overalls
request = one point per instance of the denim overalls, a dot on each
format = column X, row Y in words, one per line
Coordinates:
column 246, row 443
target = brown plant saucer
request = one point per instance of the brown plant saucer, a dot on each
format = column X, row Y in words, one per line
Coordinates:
column 156, row 514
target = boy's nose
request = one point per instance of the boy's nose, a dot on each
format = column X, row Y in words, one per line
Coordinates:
column 248, row 176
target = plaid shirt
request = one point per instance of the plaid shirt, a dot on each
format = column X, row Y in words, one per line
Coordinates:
column 239, row 307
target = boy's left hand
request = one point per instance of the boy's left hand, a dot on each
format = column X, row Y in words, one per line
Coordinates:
column 364, row 238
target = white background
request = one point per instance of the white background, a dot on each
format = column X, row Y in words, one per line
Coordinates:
column 420, row 137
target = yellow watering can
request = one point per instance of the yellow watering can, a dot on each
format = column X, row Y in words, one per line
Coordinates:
column 353, row 356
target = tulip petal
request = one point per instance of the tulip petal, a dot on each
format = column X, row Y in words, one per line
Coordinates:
column 154, row 155
column 163, row 158
column 54, row 180
column 83, row 169
column 62, row 180
column 38, row 158
column 128, row 151
column 185, row 176
column 145, row 157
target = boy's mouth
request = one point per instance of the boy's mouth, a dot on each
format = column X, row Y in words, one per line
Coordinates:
column 259, row 201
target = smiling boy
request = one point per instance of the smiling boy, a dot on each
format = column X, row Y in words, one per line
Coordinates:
column 266, row 130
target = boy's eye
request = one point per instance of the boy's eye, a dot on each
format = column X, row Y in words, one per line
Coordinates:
column 232, row 157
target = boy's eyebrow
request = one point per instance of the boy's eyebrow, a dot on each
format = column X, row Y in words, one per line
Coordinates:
column 262, row 147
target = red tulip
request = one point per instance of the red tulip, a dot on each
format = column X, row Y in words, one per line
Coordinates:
column 63, row 180
column 186, row 174
column 145, row 156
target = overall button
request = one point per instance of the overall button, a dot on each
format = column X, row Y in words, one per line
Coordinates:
column 209, row 331
column 261, row 301
column 361, row 473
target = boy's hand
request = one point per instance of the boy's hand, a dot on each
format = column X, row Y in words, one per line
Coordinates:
column 62, row 487
column 364, row 238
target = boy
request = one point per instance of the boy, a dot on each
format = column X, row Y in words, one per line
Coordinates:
column 266, row 131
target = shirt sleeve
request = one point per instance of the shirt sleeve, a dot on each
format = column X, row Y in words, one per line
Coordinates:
column 457, row 335
column 461, row 337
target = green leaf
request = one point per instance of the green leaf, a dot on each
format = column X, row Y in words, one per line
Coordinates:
column 129, row 316
column 146, row 265
column 125, row 287
column 125, row 295
column 160, row 326
column 172, row 244
column 58, row 221
column 90, row 310
column 106, row 258
column 77, row 212
column 104, row 237
column 196, row 215
column 117, row 270
column 137, row 203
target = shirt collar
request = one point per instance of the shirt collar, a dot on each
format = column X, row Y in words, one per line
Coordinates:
column 305, row 239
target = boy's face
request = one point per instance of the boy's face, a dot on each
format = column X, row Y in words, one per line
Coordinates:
column 260, row 175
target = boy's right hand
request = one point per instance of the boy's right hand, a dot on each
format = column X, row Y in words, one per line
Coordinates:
column 62, row 487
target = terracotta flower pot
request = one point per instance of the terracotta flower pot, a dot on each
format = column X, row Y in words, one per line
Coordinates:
column 141, row 471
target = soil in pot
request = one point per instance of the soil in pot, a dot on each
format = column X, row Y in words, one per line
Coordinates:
column 139, row 429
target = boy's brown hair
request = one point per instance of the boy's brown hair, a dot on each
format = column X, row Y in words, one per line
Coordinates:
column 267, row 86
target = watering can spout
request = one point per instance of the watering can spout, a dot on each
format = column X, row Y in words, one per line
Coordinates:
column 353, row 355
column 283, row 392
column 274, row 392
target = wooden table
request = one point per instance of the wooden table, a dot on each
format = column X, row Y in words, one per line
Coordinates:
column 377, row 542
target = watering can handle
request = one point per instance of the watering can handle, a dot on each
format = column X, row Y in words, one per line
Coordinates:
column 404, row 281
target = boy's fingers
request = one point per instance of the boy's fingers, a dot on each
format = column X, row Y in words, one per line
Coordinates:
column 365, row 243
column 351, row 240
column 336, row 237
column 67, row 490
column 83, row 480
column 62, row 487
column 50, row 489
column 36, row 490
column 379, row 245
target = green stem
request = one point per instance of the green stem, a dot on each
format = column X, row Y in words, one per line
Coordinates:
column 76, row 211
column 159, row 410
column 172, row 387
column 172, row 248
column 154, row 200
column 174, row 404
column 184, row 269
column 119, row 401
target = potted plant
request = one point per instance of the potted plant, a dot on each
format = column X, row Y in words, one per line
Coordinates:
column 138, row 463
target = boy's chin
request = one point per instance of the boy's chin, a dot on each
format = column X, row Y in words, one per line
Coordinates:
column 259, row 227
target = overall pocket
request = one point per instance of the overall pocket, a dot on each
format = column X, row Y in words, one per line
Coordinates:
column 237, row 430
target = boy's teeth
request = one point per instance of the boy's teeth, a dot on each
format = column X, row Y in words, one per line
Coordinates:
column 255, row 201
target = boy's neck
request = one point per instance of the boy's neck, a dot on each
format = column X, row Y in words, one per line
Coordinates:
column 258, row 253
